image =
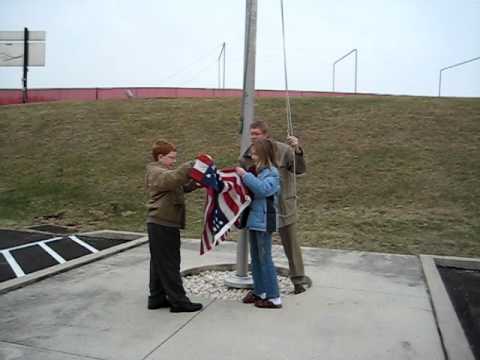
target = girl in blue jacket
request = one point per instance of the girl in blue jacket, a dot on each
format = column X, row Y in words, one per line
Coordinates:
column 261, row 222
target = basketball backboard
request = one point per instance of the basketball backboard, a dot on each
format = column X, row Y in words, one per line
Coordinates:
column 11, row 54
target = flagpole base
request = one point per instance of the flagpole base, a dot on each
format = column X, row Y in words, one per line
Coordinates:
column 239, row 282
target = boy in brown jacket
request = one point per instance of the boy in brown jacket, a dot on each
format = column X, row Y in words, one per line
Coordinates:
column 166, row 216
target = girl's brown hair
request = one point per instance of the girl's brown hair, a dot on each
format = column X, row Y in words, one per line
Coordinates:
column 265, row 151
column 162, row 147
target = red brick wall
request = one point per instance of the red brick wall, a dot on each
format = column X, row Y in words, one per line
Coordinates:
column 14, row 96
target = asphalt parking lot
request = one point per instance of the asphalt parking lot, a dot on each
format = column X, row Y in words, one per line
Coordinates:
column 463, row 287
column 25, row 252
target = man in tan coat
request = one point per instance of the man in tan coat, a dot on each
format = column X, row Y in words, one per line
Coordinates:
column 291, row 163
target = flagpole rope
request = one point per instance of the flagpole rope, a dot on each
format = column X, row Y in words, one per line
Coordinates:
column 287, row 100
column 287, row 96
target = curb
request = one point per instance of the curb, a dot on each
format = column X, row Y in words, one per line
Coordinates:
column 454, row 341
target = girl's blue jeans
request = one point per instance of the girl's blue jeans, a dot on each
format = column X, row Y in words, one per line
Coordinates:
column 263, row 270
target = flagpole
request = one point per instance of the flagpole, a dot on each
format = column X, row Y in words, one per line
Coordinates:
column 241, row 278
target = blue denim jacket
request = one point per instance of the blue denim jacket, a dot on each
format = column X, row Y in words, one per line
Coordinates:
column 265, row 184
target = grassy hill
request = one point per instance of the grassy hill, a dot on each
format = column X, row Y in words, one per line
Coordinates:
column 390, row 174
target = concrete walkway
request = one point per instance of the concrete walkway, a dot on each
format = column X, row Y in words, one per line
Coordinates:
column 362, row 306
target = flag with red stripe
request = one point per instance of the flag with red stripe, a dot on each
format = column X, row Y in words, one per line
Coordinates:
column 226, row 198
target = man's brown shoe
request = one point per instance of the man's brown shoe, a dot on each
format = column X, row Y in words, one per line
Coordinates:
column 266, row 304
column 298, row 289
column 307, row 281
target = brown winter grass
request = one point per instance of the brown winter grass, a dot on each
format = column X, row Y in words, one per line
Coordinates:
column 385, row 173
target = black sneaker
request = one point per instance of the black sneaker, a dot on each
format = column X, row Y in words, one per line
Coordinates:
column 186, row 307
column 158, row 302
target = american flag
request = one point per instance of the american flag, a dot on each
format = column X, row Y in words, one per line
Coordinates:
column 226, row 198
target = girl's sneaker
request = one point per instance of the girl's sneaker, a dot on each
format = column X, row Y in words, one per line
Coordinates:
column 250, row 298
column 266, row 304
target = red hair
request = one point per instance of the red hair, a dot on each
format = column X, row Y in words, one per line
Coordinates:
column 162, row 147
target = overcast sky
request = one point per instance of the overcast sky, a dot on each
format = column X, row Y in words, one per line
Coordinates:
column 402, row 44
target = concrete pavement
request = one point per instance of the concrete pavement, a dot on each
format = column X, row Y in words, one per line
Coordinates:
column 362, row 306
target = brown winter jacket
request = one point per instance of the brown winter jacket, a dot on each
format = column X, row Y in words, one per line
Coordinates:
column 284, row 154
column 166, row 205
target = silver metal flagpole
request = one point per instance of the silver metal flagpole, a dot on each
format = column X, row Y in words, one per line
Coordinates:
column 222, row 52
column 241, row 278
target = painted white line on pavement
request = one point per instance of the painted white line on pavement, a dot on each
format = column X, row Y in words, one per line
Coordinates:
column 83, row 243
column 13, row 263
column 52, row 253
column 31, row 244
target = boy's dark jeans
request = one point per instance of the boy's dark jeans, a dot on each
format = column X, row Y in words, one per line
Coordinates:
column 165, row 278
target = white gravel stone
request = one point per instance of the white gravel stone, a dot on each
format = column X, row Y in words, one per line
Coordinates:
column 211, row 284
